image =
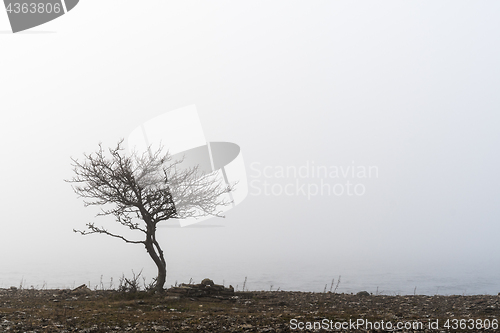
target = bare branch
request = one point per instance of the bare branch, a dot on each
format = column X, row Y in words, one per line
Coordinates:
column 96, row 230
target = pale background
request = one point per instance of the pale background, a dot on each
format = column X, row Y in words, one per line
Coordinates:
column 411, row 87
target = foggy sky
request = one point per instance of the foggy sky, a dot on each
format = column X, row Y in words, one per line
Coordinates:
column 409, row 87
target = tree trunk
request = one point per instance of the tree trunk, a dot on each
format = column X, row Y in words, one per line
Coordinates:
column 156, row 254
column 162, row 278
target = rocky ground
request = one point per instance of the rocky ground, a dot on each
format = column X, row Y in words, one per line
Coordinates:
column 193, row 309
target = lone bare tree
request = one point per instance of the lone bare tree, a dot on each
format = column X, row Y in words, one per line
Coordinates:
column 142, row 190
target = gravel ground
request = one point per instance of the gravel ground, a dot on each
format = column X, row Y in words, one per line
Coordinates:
column 281, row 311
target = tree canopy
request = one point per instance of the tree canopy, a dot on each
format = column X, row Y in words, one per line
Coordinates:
column 142, row 190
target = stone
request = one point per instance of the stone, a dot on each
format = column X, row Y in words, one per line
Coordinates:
column 207, row 282
column 363, row 293
column 81, row 290
column 207, row 288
